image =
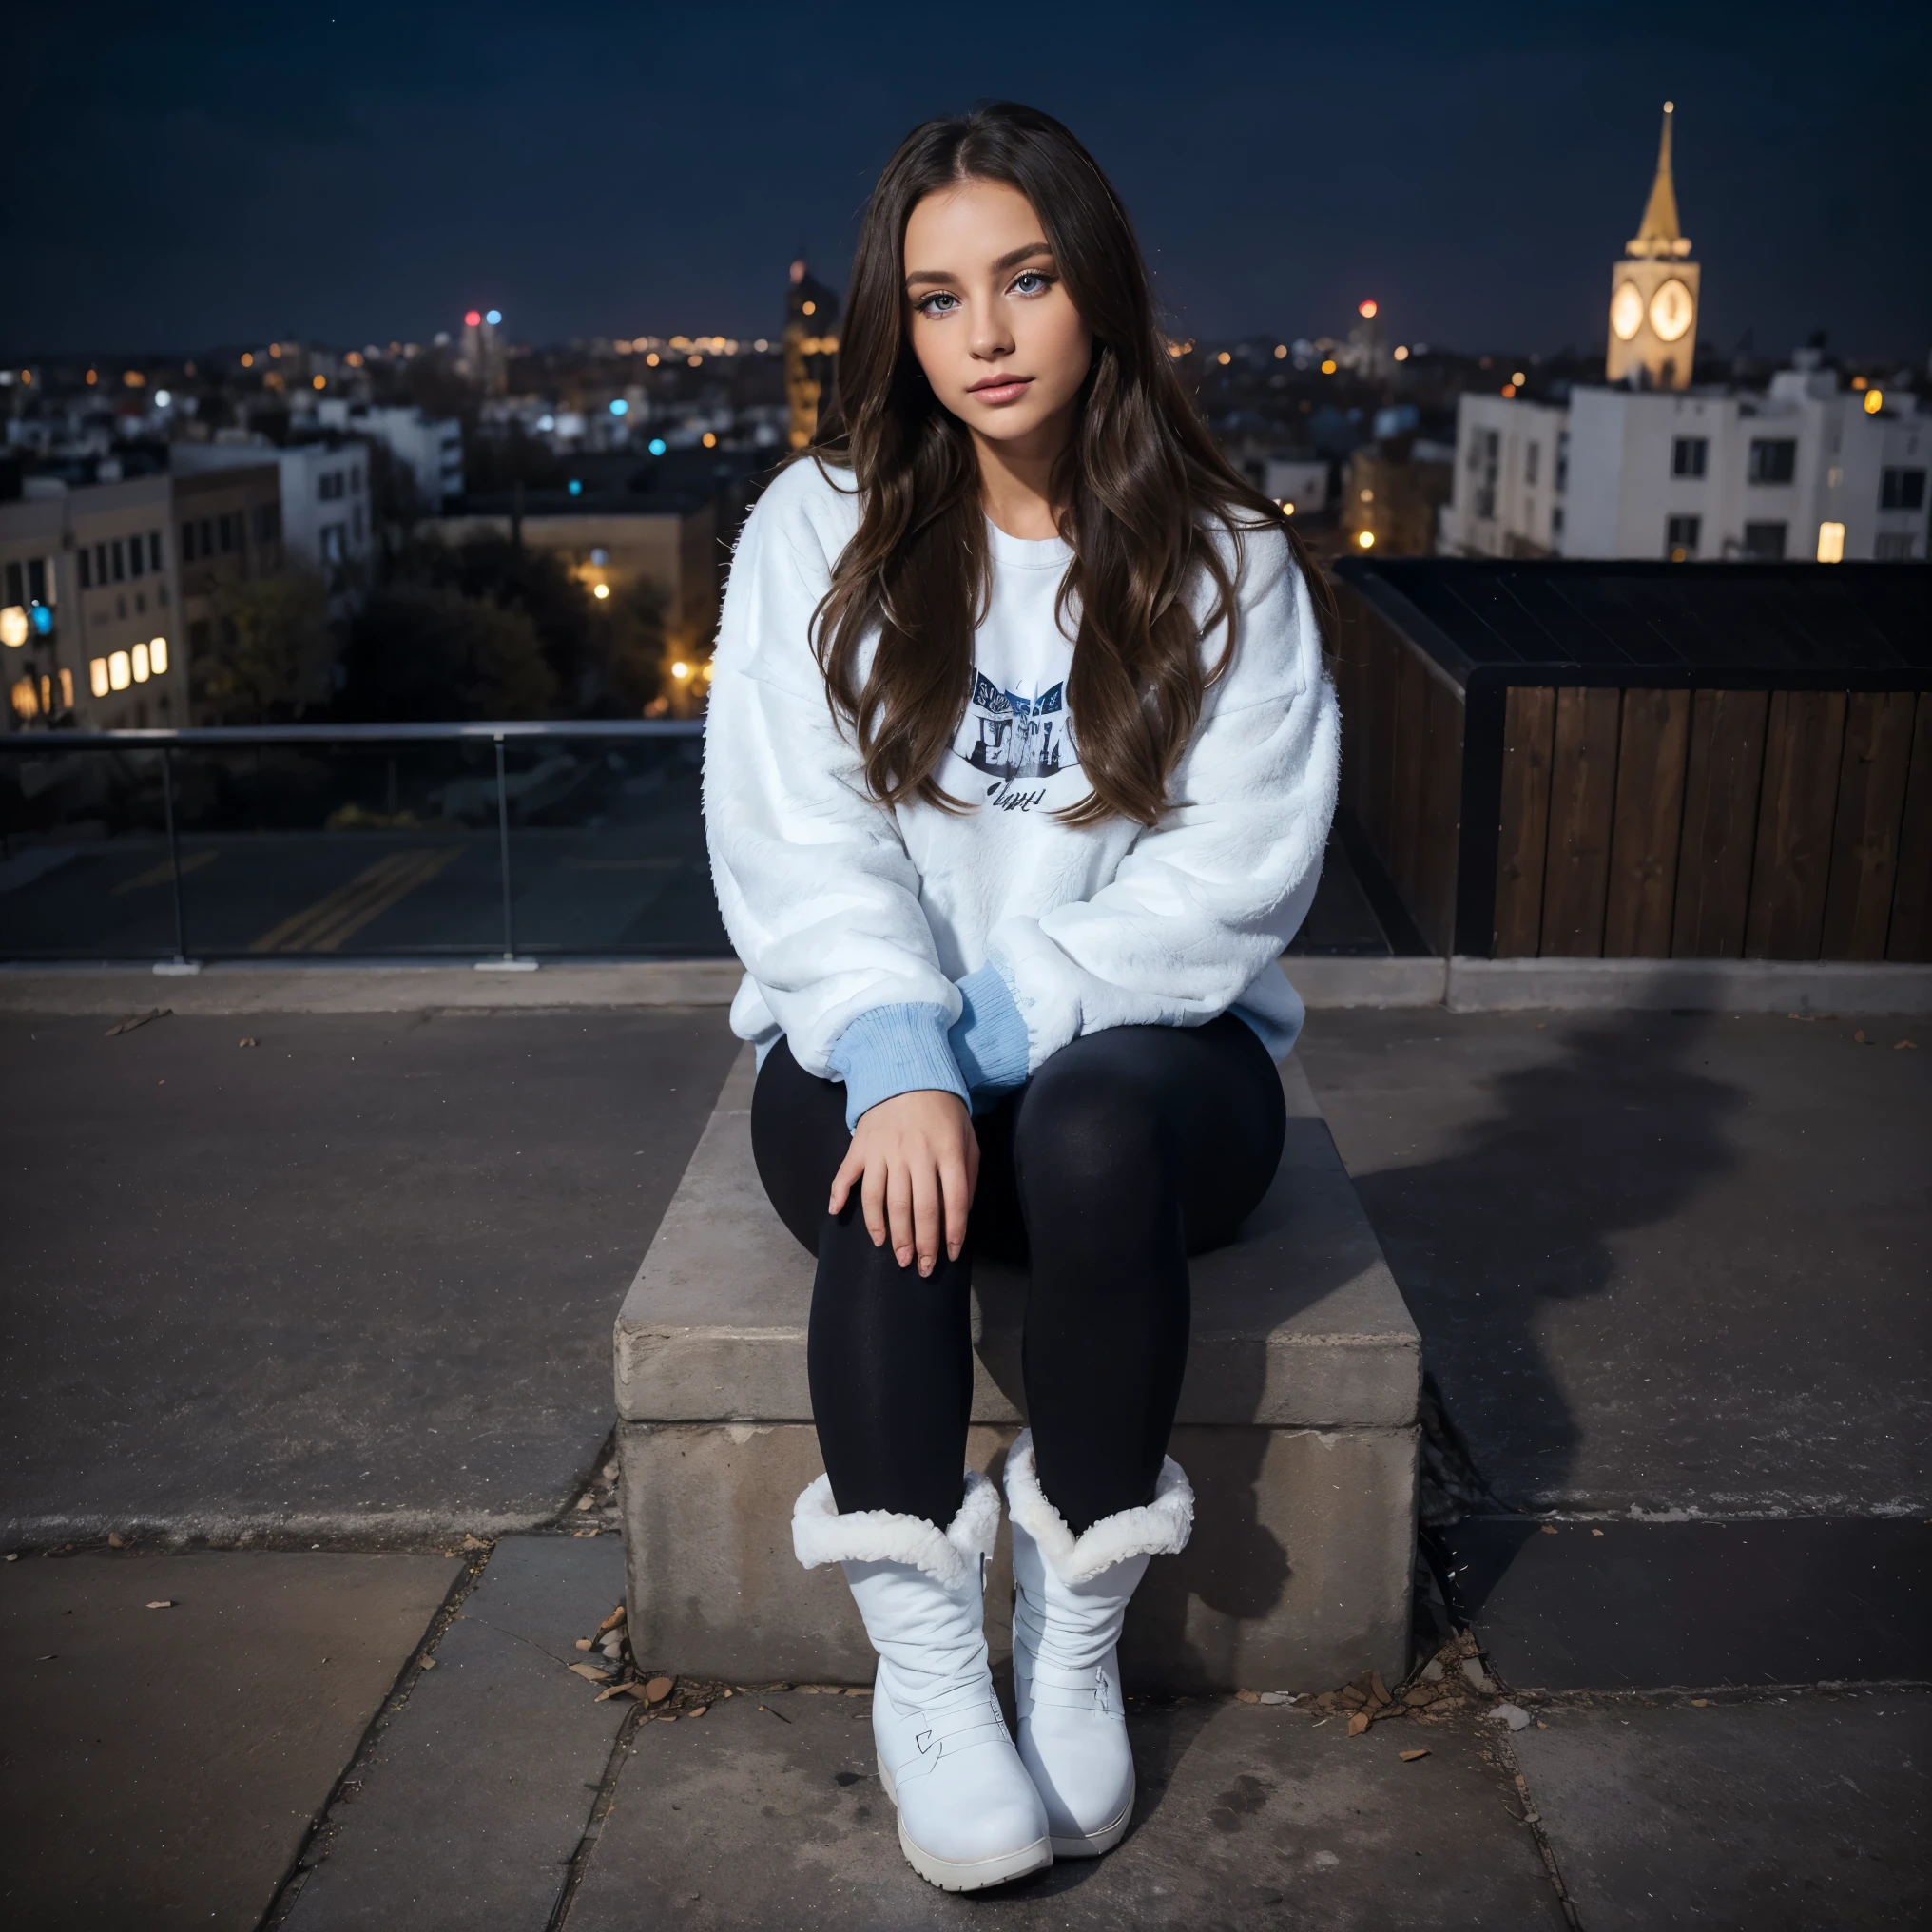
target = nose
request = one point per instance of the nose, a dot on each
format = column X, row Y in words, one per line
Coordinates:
column 992, row 337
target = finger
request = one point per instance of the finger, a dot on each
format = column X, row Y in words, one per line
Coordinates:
column 957, row 1188
column 872, row 1201
column 899, row 1208
column 971, row 1165
column 927, row 1216
column 850, row 1170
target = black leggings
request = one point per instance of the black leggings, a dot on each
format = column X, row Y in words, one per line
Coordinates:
column 1129, row 1150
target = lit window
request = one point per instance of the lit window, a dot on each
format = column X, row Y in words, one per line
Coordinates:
column 157, row 655
column 66, row 677
column 97, row 676
column 1831, row 543
column 26, row 705
column 120, row 672
column 140, row 656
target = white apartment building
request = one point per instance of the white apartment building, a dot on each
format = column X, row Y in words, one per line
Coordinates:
column 1804, row 471
column 431, row 450
column 325, row 521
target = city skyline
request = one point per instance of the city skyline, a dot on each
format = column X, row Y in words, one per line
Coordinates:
column 356, row 177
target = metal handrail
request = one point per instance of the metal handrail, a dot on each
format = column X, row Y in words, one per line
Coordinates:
column 41, row 742
column 168, row 741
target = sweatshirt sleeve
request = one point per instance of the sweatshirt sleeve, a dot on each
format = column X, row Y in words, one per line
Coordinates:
column 818, row 896
column 1204, row 902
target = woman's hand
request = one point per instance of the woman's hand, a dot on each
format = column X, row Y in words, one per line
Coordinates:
column 915, row 1160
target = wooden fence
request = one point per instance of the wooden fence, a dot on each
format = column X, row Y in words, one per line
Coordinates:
column 1576, row 821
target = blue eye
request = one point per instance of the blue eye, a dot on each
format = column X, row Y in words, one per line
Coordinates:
column 925, row 305
column 1039, row 283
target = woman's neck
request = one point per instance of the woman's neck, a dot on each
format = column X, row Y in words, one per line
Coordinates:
column 1017, row 478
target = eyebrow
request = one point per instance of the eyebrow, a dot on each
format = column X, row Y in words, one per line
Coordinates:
column 1011, row 258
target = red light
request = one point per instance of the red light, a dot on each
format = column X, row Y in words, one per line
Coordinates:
column 473, row 319
column 1365, row 310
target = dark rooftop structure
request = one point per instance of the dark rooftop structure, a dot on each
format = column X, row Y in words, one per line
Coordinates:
column 1625, row 759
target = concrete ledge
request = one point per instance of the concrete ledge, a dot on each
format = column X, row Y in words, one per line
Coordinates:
column 1298, row 1324
column 1712, row 985
column 1297, row 1576
column 1297, row 1427
column 377, row 987
column 1326, row 980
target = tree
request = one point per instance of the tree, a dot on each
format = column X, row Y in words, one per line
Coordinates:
column 270, row 656
column 418, row 654
column 633, row 651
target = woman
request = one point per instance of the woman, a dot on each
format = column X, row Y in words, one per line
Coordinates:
column 1019, row 767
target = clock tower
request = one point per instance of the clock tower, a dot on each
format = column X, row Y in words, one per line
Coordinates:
column 1653, row 293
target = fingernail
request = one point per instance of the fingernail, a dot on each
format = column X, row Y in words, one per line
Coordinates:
column 925, row 1268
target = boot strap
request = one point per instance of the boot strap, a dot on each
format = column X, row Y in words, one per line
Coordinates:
column 1054, row 1684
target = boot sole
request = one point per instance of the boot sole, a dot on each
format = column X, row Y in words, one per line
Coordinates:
column 953, row 1875
column 1092, row 1843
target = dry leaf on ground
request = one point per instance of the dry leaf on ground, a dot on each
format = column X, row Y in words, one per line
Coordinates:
column 611, row 1621
column 474, row 1543
column 249, row 1041
column 139, row 1019
column 1248, row 1696
column 591, row 1673
column 1898, row 1044
column 696, row 1710
column 658, row 1689
column 1409, row 1757
column 586, row 1643
column 161, row 1603
column 429, row 1663
column 1359, row 1721
column 116, row 1541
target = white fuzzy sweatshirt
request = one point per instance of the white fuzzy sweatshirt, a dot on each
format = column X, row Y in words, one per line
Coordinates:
column 913, row 948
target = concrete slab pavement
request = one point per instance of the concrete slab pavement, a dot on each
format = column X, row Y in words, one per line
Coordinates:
column 161, row 1768
column 1782, row 1816
column 468, row 1806
column 1249, row 1816
column 1624, row 1606
column 353, row 1281
column 1659, row 1262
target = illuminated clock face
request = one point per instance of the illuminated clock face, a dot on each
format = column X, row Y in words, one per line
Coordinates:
column 1670, row 310
column 1626, row 311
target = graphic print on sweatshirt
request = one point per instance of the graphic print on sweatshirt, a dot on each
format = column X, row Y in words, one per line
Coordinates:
column 1018, row 745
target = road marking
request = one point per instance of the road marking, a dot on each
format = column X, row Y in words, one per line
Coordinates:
column 160, row 875
column 324, row 927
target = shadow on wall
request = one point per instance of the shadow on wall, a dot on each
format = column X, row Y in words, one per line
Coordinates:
column 1618, row 1131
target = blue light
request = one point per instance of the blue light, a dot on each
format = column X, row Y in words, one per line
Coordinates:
column 620, row 407
column 576, row 487
column 657, row 446
column 493, row 316
column 43, row 620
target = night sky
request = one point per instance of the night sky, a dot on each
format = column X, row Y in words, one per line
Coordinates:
column 185, row 176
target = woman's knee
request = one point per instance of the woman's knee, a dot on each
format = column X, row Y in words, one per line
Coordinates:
column 1092, row 1129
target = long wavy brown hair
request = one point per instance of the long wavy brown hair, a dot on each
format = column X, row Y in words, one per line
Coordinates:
column 1140, row 490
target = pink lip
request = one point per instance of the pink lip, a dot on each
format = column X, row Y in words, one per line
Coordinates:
column 1001, row 388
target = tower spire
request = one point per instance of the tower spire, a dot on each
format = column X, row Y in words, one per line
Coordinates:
column 1659, row 234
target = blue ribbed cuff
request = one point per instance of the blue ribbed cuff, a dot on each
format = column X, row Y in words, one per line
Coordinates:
column 890, row 1050
column 989, row 1038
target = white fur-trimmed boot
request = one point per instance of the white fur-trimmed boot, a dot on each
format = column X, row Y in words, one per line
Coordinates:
column 968, row 1813
column 1070, row 1599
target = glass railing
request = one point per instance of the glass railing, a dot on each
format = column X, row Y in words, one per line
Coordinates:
column 511, row 843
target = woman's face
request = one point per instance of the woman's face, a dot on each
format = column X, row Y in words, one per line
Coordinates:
column 1000, row 342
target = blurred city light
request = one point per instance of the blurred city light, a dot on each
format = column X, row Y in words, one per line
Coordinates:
column 619, row 407
column 495, row 317
column 1365, row 310
column 1874, row 401
column 656, row 446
